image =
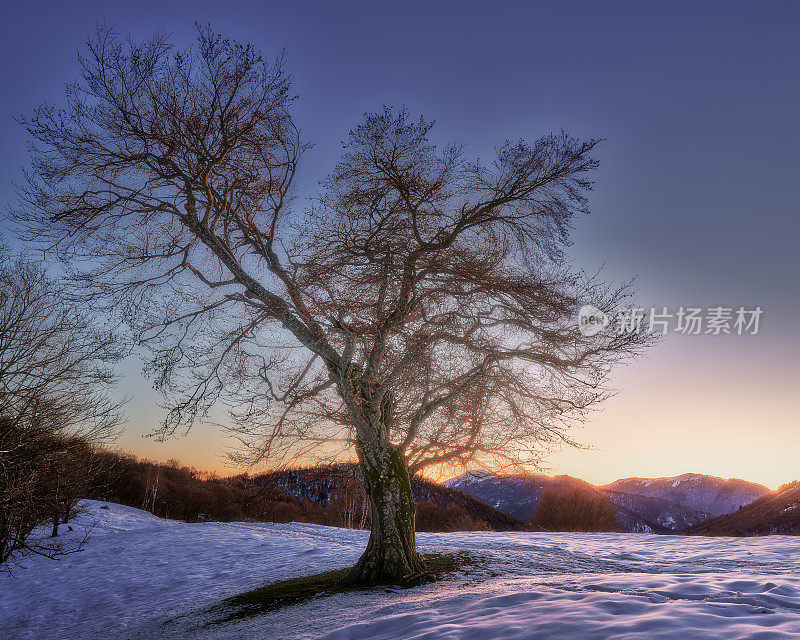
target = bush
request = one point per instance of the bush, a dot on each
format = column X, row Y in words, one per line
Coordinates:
column 574, row 509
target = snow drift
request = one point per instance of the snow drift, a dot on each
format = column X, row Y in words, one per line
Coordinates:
column 143, row 577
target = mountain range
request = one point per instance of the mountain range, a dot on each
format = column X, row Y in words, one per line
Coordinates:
column 476, row 501
column 655, row 505
column 690, row 503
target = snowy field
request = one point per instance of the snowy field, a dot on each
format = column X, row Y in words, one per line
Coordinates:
column 146, row 578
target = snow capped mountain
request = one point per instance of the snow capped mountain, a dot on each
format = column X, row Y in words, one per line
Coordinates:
column 706, row 494
column 519, row 495
column 652, row 505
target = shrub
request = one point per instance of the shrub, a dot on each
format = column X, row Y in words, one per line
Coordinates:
column 574, row 509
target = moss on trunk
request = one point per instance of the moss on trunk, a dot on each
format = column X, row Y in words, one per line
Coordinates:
column 391, row 555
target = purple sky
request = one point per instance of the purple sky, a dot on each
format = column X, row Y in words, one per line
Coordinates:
column 697, row 193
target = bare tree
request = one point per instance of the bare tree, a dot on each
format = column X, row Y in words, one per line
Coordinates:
column 72, row 474
column 55, row 367
column 420, row 313
column 574, row 508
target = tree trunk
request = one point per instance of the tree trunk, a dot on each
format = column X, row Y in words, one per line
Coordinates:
column 391, row 555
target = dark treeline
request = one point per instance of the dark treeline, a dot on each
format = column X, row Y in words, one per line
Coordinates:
column 43, row 475
column 438, row 508
column 331, row 495
column 172, row 490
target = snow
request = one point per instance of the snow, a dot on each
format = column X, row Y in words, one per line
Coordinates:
column 140, row 577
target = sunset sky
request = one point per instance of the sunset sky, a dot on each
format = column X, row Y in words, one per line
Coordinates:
column 697, row 194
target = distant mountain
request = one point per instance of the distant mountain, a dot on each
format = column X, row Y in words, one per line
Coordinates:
column 704, row 494
column 661, row 505
column 515, row 495
column 776, row 513
column 656, row 512
column 435, row 502
column 518, row 495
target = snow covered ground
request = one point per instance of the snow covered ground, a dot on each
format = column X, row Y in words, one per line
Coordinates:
column 140, row 577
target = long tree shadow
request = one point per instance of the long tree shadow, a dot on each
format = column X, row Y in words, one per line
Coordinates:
column 287, row 593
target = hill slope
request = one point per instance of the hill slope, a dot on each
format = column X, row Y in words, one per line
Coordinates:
column 706, row 494
column 331, row 495
column 439, row 507
column 776, row 513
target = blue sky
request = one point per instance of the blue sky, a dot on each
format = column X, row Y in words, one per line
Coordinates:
column 697, row 194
